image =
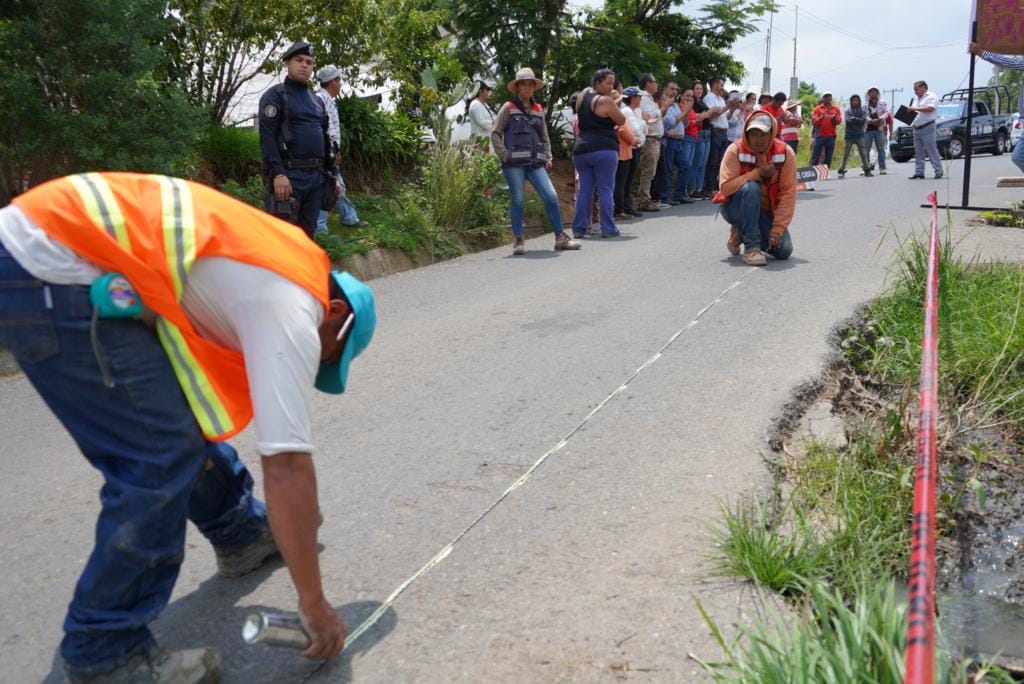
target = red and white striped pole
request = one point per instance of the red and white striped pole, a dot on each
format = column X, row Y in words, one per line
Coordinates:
column 921, row 614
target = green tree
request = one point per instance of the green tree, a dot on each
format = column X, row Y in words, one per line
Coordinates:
column 82, row 92
column 809, row 98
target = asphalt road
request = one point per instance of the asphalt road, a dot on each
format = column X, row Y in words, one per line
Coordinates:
column 589, row 570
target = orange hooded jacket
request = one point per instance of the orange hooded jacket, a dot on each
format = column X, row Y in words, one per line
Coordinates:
column 731, row 177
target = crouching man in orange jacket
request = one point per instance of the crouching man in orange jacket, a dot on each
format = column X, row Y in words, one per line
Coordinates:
column 758, row 191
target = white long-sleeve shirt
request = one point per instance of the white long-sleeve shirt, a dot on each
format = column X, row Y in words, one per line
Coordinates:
column 333, row 123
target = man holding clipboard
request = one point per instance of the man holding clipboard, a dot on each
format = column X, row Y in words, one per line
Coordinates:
column 921, row 116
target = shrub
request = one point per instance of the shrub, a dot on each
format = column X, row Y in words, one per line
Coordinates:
column 376, row 145
column 458, row 190
column 231, row 153
column 251, row 192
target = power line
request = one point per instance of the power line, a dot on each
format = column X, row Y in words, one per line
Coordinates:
column 873, row 41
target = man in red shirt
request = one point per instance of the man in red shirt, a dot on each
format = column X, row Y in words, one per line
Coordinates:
column 826, row 118
column 789, row 121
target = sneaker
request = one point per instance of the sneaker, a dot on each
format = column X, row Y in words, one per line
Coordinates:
column 842, row 173
column 735, row 241
column 160, row 666
column 564, row 242
column 881, row 172
column 673, row 203
column 753, row 257
column 916, row 176
column 518, row 247
column 650, row 207
column 578, row 234
column 868, row 174
column 623, row 216
column 684, row 200
column 937, row 175
column 664, row 205
column 611, row 235
column 236, row 561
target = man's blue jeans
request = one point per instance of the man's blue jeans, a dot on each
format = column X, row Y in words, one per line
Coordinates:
column 1018, row 154
column 876, row 137
column 680, row 158
column 701, row 150
column 596, row 171
column 516, row 177
column 826, row 143
column 349, row 217
column 743, row 209
column 157, row 468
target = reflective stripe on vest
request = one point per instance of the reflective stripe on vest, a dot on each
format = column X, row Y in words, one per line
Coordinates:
column 153, row 230
column 101, row 206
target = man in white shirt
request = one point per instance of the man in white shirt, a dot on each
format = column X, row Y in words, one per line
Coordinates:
column 925, row 105
column 330, row 87
column 715, row 100
column 651, row 151
column 118, row 392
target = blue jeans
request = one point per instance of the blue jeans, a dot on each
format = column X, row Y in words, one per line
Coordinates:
column 516, row 177
column 743, row 209
column 876, row 137
column 157, row 468
column 349, row 217
column 701, row 150
column 595, row 169
column 1018, row 154
column 680, row 158
column 826, row 143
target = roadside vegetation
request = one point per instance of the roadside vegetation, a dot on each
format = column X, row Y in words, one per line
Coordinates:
column 833, row 537
column 1011, row 218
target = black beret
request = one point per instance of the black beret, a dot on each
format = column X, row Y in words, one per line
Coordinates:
column 299, row 47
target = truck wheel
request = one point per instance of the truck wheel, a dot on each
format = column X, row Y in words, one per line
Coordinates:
column 900, row 158
column 1000, row 145
column 955, row 148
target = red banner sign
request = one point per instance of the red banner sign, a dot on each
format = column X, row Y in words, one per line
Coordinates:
column 1000, row 25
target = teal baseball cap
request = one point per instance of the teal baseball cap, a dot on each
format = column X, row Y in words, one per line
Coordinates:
column 333, row 377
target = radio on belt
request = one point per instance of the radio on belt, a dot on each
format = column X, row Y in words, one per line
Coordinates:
column 113, row 296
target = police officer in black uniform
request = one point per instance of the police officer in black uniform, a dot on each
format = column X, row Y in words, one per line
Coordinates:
column 300, row 169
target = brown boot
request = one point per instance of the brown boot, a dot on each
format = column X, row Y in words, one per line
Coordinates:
column 753, row 257
column 735, row 242
column 564, row 242
column 518, row 247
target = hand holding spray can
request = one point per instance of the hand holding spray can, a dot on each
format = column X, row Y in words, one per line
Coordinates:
column 271, row 629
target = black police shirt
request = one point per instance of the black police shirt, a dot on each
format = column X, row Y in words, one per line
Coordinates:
column 306, row 120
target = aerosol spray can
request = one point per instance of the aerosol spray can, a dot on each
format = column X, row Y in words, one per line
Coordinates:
column 271, row 629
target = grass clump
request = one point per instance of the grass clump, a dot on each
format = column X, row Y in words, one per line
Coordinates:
column 846, row 521
column 981, row 334
column 1010, row 218
column 838, row 639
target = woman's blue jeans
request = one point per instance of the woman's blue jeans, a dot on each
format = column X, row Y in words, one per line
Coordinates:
column 596, row 170
column 680, row 158
column 157, row 468
column 701, row 150
column 516, row 177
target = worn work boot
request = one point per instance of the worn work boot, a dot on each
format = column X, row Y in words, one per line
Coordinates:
column 236, row 561
column 518, row 247
column 564, row 242
column 753, row 257
column 160, row 666
column 735, row 242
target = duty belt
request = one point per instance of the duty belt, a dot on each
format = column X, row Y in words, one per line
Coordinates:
column 304, row 164
column 926, row 125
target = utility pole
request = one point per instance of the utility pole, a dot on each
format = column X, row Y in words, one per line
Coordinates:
column 794, row 82
column 766, row 81
column 893, row 92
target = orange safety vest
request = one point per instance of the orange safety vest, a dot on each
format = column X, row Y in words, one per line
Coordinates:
column 152, row 229
column 748, row 163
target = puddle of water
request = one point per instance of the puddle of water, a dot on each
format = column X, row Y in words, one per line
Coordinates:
column 977, row 618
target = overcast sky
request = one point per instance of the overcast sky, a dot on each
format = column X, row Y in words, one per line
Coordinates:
column 846, row 47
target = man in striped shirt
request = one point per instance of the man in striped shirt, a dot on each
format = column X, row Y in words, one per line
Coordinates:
column 1007, row 62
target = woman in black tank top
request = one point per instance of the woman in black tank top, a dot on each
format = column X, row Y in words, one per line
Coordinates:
column 596, row 152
